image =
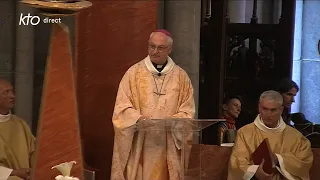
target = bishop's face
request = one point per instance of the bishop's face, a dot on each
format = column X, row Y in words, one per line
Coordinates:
column 159, row 49
column 270, row 112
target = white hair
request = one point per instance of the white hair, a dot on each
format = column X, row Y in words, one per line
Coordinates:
column 169, row 39
column 272, row 95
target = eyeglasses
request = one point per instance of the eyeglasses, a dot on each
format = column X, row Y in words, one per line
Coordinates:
column 159, row 48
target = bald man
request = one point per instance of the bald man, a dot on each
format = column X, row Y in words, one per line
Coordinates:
column 17, row 144
column 154, row 88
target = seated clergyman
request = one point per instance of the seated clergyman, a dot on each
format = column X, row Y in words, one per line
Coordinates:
column 17, row 144
column 290, row 149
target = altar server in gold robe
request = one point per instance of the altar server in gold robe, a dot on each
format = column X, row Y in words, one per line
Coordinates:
column 290, row 149
column 154, row 88
column 17, row 144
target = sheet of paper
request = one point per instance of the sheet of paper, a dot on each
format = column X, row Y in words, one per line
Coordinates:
column 4, row 173
column 227, row 144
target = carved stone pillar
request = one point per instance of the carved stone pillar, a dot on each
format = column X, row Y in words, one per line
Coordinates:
column 296, row 69
column 265, row 11
column 24, row 67
column 7, row 33
column 310, row 64
column 277, row 6
column 182, row 19
column 268, row 11
column 237, row 11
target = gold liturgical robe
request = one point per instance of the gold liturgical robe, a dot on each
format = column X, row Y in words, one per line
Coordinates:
column 292, row 149
column 17, row 145
column 149, row 155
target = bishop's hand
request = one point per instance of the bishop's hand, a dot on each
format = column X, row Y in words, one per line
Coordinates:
column 144, row 122
column 143, row 118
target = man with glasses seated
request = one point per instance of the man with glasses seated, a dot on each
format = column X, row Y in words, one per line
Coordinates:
column 154, row 88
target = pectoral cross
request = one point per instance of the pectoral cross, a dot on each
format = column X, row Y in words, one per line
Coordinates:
column 158, row 92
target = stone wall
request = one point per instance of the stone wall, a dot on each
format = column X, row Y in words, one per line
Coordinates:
column 310, row 61
column 7, row 35
column 182, row 19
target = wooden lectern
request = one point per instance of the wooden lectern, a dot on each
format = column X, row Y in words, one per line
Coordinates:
column 58, row 137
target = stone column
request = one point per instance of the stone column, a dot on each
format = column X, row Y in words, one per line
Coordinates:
column 6, row 39
column 237, row 11
column 310, row 65
column 268, row 11
column 296, row 69
column 182, row 19
column 24, row 66
column 277, row 6
column 265, row 11
column 160, row 18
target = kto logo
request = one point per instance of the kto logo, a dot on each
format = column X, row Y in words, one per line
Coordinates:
column 35, row 20
column 25, row 20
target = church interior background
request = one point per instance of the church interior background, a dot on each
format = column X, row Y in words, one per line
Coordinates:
column 214, row 41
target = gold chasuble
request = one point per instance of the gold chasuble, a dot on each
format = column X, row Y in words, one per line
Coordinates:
column 292, row 149
column 17, row 145
column 143, row 91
